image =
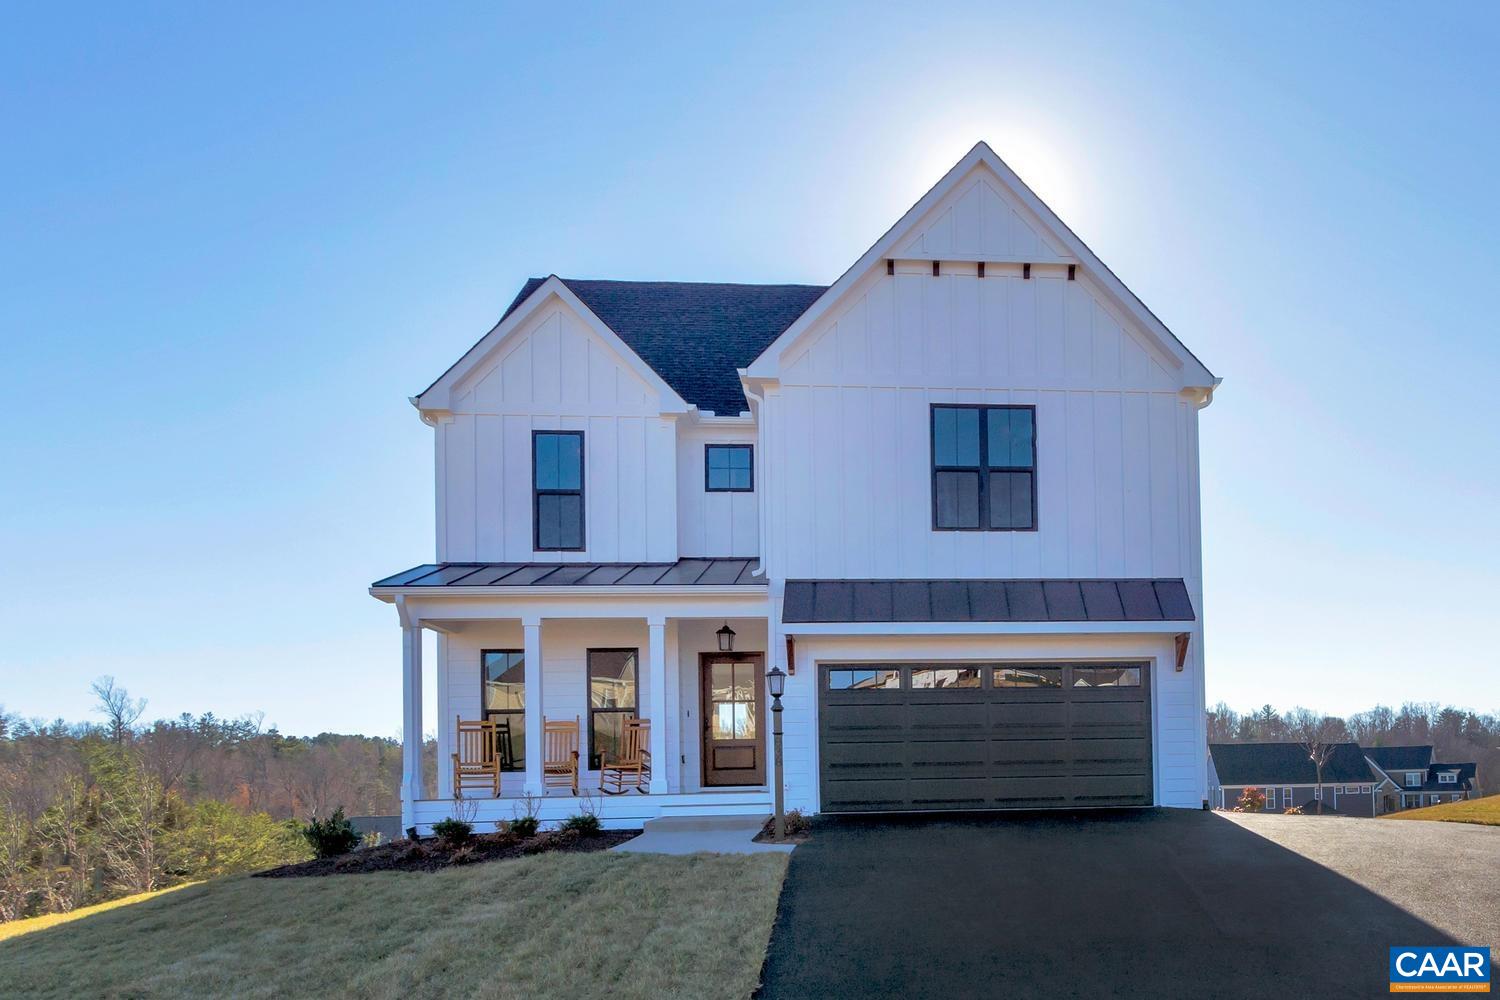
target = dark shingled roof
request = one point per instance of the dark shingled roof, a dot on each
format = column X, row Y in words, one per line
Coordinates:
column 809, row 601
column 1286, row 764
column 694, row 335
column 1400, row 758
column 1466, row 774
column 682, row 573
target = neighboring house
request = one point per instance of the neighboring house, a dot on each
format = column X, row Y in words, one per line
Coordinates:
column 1356, row 781
column 955, row 495
column 1288, row 777
column 1410, row 778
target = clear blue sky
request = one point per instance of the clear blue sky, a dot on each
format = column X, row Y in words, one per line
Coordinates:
column 234, row 240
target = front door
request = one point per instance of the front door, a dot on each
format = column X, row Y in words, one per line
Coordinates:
column 733, row 718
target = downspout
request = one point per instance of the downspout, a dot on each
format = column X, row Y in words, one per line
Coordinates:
column 758, row 407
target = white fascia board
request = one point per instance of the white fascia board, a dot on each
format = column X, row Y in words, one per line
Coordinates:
column 986, row 628
column 559, row 602
column 1191, row 371
column 437, row 396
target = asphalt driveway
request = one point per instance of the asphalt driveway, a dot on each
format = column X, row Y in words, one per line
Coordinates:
column 1155, row 903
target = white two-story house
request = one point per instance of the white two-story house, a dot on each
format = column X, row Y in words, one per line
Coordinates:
column 954, row 495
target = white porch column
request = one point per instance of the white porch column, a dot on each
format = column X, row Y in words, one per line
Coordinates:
column 532, row 629
column 411, row 722
column 656, row 669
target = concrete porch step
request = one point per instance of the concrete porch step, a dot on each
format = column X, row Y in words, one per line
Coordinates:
column 698, row 824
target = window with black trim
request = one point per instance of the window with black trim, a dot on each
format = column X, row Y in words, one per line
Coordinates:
column 983, row 468
column 614, row 682
column 728, row 468
column 557, row 490
column 504, row 701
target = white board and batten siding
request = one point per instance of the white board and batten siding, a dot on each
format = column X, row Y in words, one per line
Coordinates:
column 555, row 374
column 851, row 422
column 719, row 523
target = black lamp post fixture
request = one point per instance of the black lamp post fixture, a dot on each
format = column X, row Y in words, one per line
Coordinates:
column 726, row 639
column 776, row 679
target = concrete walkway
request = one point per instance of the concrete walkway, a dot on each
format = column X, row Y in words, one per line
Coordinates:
column 702, row 835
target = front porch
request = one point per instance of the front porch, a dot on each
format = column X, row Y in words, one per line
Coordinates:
column 521, row 659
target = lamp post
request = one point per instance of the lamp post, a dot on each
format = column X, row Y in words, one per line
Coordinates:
column 777, row 681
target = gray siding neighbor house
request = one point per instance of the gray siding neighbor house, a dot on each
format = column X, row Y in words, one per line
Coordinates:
column 1357, row 781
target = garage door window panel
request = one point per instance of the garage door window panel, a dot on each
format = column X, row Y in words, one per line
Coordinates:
column 1027, row 677
column 864, row 679
column 926, row 678
column 1110, row 677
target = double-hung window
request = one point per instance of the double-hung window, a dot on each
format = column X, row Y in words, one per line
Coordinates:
column 614, row 680
column 557, row 490
column 983, row 468
column 728, row 468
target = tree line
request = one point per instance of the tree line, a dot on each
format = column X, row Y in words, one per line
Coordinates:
column 1456, row 735
column 96, row 810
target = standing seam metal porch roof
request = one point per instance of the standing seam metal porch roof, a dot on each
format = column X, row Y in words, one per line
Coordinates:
column 682, row 573
column 836, row 601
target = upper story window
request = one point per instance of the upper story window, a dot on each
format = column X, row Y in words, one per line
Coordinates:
column 983, row 468
column 1413, row 779
column 1448, row 779
column 729, row 468
column 557, row 490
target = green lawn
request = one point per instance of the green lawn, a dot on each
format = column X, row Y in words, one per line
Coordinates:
column 556, row 925
column 1485, row 811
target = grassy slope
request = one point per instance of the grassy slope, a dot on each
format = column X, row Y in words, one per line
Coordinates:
column 15, row 928
column 1485, row 811
column 577, row 925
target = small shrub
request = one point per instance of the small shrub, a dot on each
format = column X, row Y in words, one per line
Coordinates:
column 796, row 823
column 585, row 823
column 1251, row 800
column 454, row 833
column 465, row 855
column 524, row 826
column 330, row 837
column 1292, row 811
column 373, row 839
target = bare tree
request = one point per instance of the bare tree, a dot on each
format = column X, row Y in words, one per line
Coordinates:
column 117, row 706
column 1318, row 734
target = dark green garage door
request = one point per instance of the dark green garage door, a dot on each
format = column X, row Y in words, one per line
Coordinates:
column 917, row 737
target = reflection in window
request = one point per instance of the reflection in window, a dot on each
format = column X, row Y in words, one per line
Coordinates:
column 1099, row 677
column 944, row 677
column 504, row 701
column 1027, row 677
column 732, row 700
column 613, row 678
column 848, row 680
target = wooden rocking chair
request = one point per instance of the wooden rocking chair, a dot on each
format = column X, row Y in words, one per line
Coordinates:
column 632, row 768
column 475, row 763
column 560, row 759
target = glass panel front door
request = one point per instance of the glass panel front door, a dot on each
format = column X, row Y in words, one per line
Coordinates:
column 733, row 714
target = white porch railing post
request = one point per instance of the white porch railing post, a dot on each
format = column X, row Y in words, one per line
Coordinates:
column 656, row 660
column 532, row 628
column 411, row 722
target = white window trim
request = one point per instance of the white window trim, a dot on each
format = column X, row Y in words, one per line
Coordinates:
column 1413, row 779
column 1447, row 779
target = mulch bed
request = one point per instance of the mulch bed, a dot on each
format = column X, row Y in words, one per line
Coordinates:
column 430, row 854
column 797, row 832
